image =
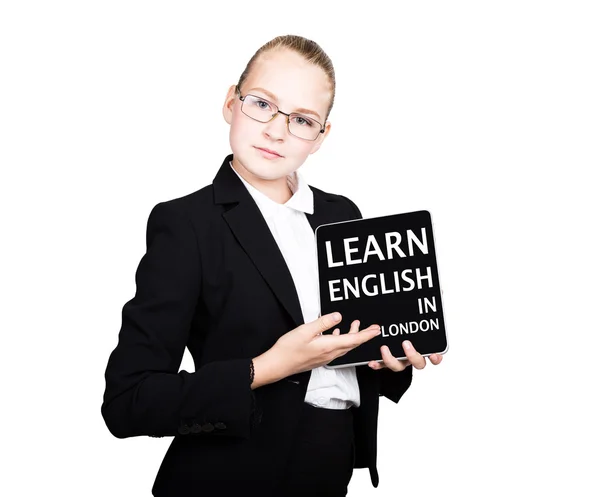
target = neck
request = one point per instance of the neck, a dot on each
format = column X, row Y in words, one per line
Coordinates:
column 276, row 189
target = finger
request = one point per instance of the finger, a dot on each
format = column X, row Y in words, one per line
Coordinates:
column 416, row 359
column 354, row 326
column 376, row 365
column 323, row 323
column 373, row 326
column 404, row 363
column 389, row 360
column 353, row 340
column 336, row 331
column 436, row 358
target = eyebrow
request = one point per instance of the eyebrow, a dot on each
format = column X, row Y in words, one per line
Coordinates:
column 301, row 110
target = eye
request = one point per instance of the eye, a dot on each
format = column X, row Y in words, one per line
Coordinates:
column 303, row 121
column 261, row 104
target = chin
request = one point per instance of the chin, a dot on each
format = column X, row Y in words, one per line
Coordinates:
column 268, row 172
column 264, row 168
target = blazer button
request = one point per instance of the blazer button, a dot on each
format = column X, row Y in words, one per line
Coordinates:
column 207, row 427
column 220, row 426
column 196, row 428
column 184, row 429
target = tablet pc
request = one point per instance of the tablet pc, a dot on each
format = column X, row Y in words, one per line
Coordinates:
column 383, row 271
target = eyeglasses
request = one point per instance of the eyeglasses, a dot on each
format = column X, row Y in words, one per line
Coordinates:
column 263, row 111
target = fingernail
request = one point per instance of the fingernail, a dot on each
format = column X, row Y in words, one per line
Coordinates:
column 407, row 345
column 337, row 316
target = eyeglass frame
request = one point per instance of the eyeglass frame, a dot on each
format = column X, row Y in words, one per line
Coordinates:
column 279, row 111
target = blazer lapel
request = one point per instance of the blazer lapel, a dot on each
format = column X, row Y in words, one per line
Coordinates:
column 252, row 232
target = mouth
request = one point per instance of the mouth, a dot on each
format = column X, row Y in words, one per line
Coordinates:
column 268, row 153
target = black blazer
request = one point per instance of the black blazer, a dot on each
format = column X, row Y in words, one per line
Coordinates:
column 213, row 279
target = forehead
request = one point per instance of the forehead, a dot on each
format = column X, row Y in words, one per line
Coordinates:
column 295, row 82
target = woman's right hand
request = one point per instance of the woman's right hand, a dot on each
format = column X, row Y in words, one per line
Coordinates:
column 305, row 348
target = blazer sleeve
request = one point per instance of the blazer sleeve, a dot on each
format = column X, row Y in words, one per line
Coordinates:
column 145, row 393
column 392, row 385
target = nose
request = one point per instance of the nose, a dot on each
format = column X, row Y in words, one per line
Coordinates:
column 276, row 128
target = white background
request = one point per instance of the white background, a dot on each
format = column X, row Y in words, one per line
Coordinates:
column 485, row 113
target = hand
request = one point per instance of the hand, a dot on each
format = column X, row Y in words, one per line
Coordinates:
column 413, row 358
column 305, row 348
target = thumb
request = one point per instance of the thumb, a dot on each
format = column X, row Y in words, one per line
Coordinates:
column 323, row 323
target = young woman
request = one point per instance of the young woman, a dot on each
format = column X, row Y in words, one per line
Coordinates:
column 230, row 272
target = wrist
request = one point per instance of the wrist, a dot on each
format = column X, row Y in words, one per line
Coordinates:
column 266, row 370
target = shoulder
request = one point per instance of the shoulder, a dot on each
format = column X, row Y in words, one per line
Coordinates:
column 338, row 200
column 186, row 206
column 183, row 217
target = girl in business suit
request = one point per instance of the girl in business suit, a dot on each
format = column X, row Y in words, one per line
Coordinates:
column 230, row 272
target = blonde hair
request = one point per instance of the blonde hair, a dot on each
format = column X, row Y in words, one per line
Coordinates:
column 308, row 49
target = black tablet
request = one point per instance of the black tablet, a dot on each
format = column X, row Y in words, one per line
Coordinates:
column 383, row 271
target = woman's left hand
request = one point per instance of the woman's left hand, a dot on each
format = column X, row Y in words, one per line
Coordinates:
column 413, row 358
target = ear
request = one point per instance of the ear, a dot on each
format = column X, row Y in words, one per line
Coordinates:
column 229, row 103
column 322, row 136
